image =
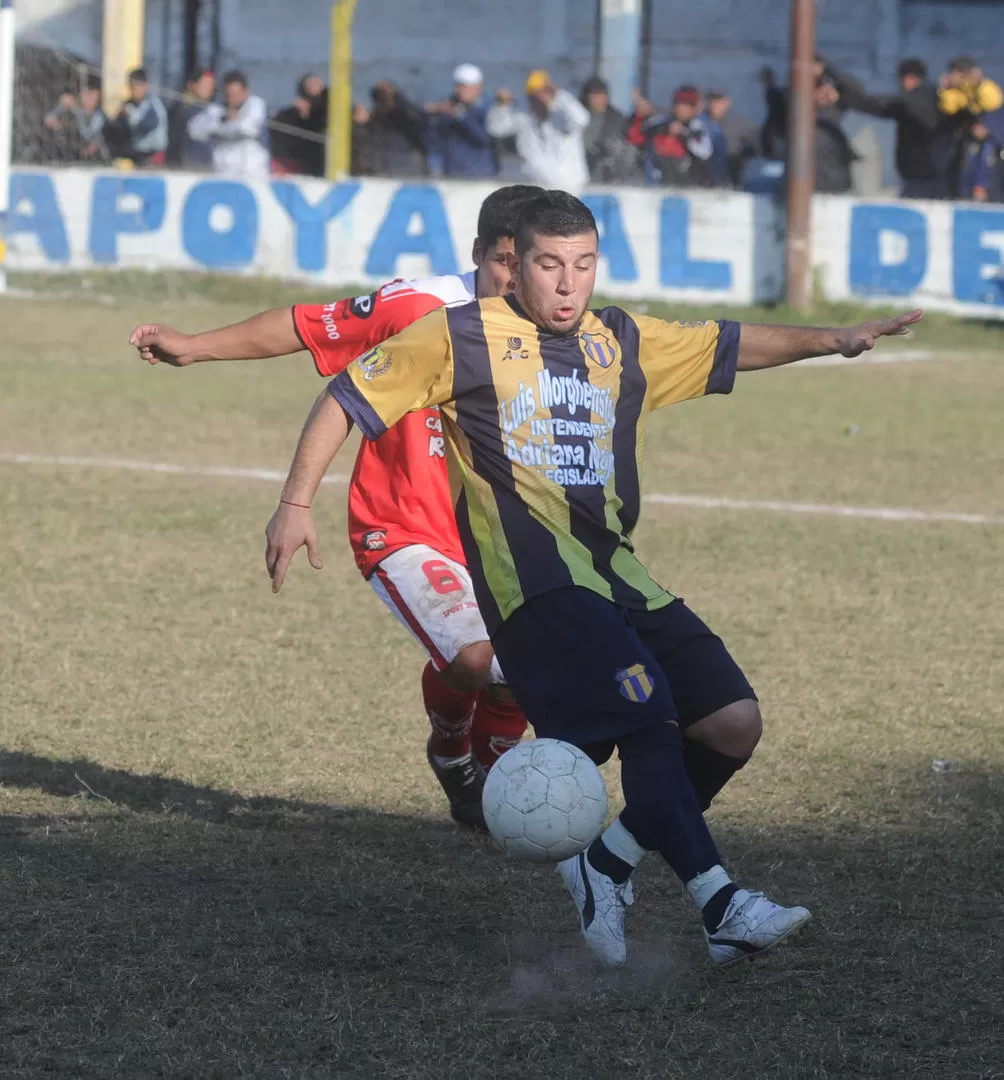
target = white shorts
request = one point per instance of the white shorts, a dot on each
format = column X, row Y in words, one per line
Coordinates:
column 433, row 597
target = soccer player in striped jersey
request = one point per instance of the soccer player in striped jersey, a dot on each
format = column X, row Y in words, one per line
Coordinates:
column 401, row 522
column 544, row 408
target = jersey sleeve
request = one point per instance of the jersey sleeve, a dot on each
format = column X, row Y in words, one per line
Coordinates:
column 412, row 370
column 335, row 334
column 687, row 360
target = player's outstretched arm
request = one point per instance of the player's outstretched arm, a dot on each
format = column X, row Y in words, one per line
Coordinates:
column 292, row 526
column 772, row 346
column 272, row 333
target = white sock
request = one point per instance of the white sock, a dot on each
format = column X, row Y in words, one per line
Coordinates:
column 704, row 886
column 618, row 841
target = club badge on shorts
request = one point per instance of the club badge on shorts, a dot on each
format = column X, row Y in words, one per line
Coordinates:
column 635, row 683
column 598, row 348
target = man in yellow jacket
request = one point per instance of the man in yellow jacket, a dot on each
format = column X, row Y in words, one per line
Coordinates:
column 964, row 88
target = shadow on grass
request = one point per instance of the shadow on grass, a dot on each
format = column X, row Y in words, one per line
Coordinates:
column 151, row 794
column 182, row 931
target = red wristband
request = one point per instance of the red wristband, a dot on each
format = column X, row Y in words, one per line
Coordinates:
column 299, row 506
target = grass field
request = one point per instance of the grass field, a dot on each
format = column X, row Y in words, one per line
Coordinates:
column 221, row 851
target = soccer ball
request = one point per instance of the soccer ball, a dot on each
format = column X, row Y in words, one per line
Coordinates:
column 544, row 800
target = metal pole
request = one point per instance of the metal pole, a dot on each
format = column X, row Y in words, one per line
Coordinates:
column 166, row 22
column 597, row 35
column 645, row 61
column 191, row 17
column 339, row 151
column 122, row 49
column 216, row 46
column 801, row 154
column 6, row 123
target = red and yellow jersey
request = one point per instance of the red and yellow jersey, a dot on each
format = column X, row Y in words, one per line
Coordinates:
column 400, row 492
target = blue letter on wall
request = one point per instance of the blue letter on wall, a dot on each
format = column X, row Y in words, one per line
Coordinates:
column 227, row 249
column 868, row 273
column 676, row 268
column 393, row 239
column 614, row 244
column 311, row 219
column 970, row 257
column 109, row 218
column 45, row 221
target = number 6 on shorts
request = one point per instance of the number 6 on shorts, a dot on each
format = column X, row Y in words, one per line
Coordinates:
column 441, row 577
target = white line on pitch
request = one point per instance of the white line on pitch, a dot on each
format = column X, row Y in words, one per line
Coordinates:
column 706, row 502
column 228, row 472
column 877, row 513
column 902, row 356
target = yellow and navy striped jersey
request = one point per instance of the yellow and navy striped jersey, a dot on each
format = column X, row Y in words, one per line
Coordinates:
column 545, row 434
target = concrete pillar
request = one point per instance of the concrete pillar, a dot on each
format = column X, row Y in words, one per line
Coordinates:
column 620, row 42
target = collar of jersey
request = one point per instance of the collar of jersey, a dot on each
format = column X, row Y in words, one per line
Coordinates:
column 510, row 299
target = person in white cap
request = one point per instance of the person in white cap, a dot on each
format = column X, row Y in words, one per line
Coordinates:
column 458, row 140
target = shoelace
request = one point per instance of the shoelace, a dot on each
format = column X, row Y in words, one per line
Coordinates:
column 624, row 894
column 748, row 902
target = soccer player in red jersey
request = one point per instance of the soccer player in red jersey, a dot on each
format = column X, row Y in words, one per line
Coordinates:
column 401, row 520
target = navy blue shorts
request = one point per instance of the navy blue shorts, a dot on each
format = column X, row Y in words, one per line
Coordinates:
column 590, row 672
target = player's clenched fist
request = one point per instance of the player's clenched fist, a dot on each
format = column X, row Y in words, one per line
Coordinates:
column 290, row 529
column 158, row 343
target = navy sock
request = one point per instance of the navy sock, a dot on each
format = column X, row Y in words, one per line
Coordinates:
column 662, row 811
column 709, row 770
column 603, row 859
column 714, row 910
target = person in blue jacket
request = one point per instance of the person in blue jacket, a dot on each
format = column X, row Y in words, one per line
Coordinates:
column 982, row 171
column 141, row 125
column 458, row 141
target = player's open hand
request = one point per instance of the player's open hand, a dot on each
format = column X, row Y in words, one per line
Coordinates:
column 290, row 529
column 858, row 339
column 160, row 344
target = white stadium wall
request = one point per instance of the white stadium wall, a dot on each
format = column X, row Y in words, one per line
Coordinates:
column 703, row 246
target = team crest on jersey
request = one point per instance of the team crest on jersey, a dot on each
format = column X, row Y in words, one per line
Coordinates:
column 635, row 683
column 514, row 350
column 375, row 362
column 599, row 348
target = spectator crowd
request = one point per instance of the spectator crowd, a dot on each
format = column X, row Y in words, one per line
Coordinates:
column 949, row 131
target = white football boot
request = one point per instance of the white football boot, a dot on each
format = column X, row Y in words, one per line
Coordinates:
column 601, row 903
column 752, row 925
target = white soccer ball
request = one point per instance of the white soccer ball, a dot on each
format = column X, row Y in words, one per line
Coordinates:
column 544, row 800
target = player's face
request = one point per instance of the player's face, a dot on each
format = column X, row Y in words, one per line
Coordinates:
column 555, row 280
column 494, row 265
